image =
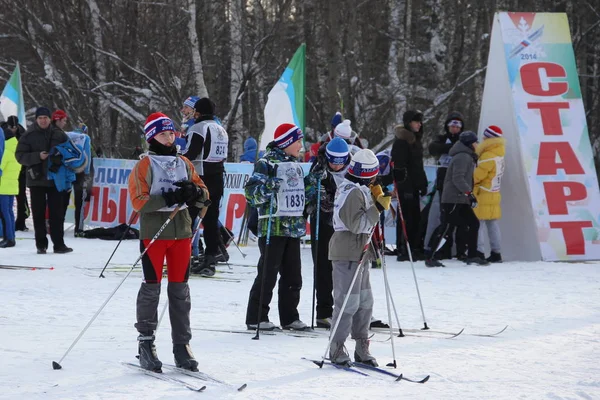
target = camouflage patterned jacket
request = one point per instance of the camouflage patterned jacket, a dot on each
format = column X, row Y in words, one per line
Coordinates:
column 258, row 195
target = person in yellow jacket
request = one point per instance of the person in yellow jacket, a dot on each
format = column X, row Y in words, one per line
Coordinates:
column 9, row 188
column 487, row 178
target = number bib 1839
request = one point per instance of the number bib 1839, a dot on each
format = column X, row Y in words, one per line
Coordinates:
column 290, row 198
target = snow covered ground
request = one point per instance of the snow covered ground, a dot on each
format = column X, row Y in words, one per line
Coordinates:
column 551, row 349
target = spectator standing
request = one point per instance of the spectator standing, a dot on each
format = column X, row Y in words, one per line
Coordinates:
column 9, row 187
column 12, row 125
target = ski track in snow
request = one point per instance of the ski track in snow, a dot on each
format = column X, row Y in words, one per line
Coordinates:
column 551, row 349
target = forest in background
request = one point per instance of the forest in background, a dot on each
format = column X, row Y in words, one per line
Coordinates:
column 109, row 63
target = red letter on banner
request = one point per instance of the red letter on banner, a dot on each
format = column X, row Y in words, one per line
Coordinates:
column 532, row 82
column 235, row 208
column 548, row 165
column 123, row 206
column 550, row 113
column 557, row 197
column 573, row 234
column 95, row 199
column 109, row 207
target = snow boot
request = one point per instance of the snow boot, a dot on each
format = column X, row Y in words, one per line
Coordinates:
column 184, row 358
column 223, row 255
column 432, row 262
column 297, row 325
column 264, row 326
column 377, row 323
column 207, row 268
column 324, row 323
column 339, row 355
column 494, row 258
column 7, row 243
column 362, row 354
column 476, row 260
column 147, row 353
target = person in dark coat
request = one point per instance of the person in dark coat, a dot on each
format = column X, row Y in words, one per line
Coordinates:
column 410, row 181
column 32, row 152
column 458, row 200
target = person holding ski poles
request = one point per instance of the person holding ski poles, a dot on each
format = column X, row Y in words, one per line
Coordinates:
column 331, row 162
column 279, row 190
column 358, row 202
column 158, row 184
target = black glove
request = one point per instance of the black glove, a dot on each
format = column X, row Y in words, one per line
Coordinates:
column 472, row 200
column 172, row 197
column 55, row 162
column 400, row 174
column 190, row 192
column 273, row 184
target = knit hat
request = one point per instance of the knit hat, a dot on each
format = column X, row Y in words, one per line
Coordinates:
column 157, row 123
column 12, row 121
column 42, row 111
column 336, row 120
column 455, row 122
column 364, row 164
column 343, row 130
column 205, row 106
column 191, row 101
column 286, row 134
column 492, row 131
column 468, row 138
column 58, row 114
column 337, row 151
column 411, row 115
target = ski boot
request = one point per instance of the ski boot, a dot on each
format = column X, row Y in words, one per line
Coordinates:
column 207, row 268
column 264, row 326
column 494, row 258
column 476, row 260
column 297, row 325
column 362, row 354
column 377, row 323
column 184, row 358
column 432, row 262
column 147, row 353
column 339, row 355
column 324, row 323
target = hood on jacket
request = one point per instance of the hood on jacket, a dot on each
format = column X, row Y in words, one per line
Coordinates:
column 250, row 150
column 453, row 115
column 273, row 152
column 494, row 145
column 460, row 147
column 405, row 134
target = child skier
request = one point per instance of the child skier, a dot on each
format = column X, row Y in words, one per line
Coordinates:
column 358, row 202
column 278, row 175
column 331, row 162
column 158, row 183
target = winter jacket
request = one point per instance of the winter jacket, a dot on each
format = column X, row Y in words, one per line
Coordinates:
column 487, row 176
column 151, row 220
column 198, row 146
column 328, row 185
column 2, row 146
column 250, row 151
column 9, row 181
column 407, row 158
column 441, row 145
column 357, row 213
column 459, row 177
column 66, row 160
column 31, row 144
column 259, row 196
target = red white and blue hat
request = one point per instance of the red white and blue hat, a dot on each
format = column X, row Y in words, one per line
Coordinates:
column 286, row 134
column 492, row 131
column 191, row 101
column 364, row 164
column 157, row 123
column 337, row 151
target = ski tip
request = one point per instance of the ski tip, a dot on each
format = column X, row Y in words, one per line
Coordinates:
column 399, row 378
column 244, row 386
column 51, row 268
column 458, row 333
column 201, row 389
column 56, row 365
column 424, row 379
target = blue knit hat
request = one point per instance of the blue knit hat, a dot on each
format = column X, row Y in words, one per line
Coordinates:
column 191, row 101
column 337, row 151
column 337, row 119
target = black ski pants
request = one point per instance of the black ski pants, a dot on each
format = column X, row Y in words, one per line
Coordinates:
column 323, row 269
column 411, row 211
column 212, row 235
column 42, row 196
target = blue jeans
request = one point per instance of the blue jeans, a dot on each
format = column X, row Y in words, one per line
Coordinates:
column 8, row 215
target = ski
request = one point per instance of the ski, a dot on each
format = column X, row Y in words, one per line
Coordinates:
column 204, row 377
column 386, row 372
column 274, row 332
column 342, row 367
column 456, row 334
column 418, row 333
column 166, row 378
column 24, row 267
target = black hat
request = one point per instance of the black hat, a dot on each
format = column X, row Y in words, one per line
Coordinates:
column 12, row 121
column 205, row 106
column 468, row 138
column 43, row 111
column 412, row 115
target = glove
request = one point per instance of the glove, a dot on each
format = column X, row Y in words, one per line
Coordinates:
column 423, row 192
column 55, row 162
column 472, row 199
column 320, row 173
column 382, row 201
column 406, row 195
column 189, row 192
column 273, row 184
column 173, row 197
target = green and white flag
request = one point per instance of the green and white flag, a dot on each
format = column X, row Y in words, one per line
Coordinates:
column 286, row 99
column 11, row 100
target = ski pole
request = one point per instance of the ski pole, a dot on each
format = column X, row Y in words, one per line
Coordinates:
column 341, row 313
column 233, row 240
column 264, row 267
column 56, row 365
column 314, row 293
column 425, row 327
column 388, row 296
column 118, row 244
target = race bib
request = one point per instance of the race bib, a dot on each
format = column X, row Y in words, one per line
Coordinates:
column 290, row 198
